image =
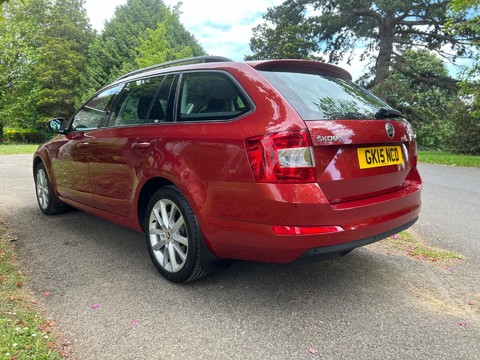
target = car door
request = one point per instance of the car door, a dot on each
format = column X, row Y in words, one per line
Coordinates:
column 70, row 162
column 120, row 150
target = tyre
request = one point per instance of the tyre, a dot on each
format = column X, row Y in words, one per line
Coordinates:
column 173, row 236
column 45, row 197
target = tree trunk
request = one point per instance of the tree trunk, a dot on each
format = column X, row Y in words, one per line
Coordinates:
column 386, row 32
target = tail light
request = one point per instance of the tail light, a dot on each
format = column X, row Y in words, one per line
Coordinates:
column 284, row 157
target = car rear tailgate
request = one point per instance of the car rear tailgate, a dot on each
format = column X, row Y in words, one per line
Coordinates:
column 357, row 159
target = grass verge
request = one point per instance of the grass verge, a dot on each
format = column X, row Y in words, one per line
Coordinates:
column 445, row 158
column 24, row 332
column 407, row 243
column 17, row 149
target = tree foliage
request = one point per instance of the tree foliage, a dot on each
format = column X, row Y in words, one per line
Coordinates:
column 20, row 29
column 169, row 41
column 62, row 57
column 382, row 29
column 438, row 114
column 470, row 10
column 51, row 59
column 134, row 26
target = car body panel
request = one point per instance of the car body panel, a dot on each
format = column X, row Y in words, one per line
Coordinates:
column 108, row 171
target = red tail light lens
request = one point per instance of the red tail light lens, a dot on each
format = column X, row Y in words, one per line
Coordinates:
column 285, row 157
column 295, row 230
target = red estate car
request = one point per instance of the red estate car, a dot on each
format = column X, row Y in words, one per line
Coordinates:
column 216, row 160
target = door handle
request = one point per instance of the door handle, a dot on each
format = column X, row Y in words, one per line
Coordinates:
column 83, row 145
column 140, row 145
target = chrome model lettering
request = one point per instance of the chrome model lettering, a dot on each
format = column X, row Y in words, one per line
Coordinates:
column 329, row 138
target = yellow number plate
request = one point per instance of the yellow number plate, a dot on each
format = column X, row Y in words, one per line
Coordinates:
column 379, row 156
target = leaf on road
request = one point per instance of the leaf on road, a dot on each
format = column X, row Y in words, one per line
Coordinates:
column 471, row 302
column 448, row 268
column 394, row 237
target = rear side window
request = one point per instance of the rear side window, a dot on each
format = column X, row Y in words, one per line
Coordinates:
column 317, row 97
column 210, row 96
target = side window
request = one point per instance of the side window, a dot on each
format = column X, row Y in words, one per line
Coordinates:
column 135, row 103
column 95, row 113
column 210, row 96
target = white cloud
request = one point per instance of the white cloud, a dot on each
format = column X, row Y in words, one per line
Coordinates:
column 223, row 28
column 100, row 11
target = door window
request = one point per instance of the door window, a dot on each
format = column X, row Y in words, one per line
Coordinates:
column 136, row 105
column 94, row 114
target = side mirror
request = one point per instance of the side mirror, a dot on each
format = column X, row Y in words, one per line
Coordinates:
column 56, row 125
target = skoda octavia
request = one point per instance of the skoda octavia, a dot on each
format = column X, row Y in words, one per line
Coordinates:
column 216, row 160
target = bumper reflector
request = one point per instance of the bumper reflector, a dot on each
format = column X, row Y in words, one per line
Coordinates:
column 305, row 230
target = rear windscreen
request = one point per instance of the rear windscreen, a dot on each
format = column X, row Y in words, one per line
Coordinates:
column 316, row 96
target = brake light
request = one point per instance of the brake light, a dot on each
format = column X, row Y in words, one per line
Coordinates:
column 285, row 157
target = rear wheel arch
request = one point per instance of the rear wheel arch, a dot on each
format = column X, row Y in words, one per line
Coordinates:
column 148, row 189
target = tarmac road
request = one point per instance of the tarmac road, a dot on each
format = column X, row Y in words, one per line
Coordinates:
column 371, row 304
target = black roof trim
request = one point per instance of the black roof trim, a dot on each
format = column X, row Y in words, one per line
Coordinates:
column 191, row 60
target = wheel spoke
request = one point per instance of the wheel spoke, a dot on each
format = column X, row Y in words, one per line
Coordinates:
column 164, row 215
column 158, row 218
column 180, row 252
column 158, row 245
column 173, row 213
column 166, row 254
column 178, row 224
column 173, row 259
column 157, row 232
column 180, row 239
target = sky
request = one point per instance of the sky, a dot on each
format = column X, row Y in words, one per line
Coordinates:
column 223, row 28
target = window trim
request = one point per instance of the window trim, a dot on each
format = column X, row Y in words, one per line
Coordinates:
column 176, row 106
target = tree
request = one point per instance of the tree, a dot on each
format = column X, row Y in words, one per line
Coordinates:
column 115, row 51
column 470, row 10
column 20, row 28
column 43, row 47
column 62, row 58
column 382, row 28
column 166, row 43
column 427, row 106
column 284, row 35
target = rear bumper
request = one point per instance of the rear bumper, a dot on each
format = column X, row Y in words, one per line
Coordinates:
column 363, row 221
column 341, row 249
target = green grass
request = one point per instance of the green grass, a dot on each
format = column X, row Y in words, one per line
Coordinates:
column 414, row 247
column 445, row 158
column 17, row 149
column 24, row 332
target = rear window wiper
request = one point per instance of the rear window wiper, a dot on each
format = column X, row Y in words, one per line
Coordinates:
column 384, row 113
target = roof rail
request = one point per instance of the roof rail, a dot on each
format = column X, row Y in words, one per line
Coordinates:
column 191, row 60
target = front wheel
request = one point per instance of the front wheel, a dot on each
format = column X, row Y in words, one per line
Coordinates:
column 173, row 236
column 45, row 197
